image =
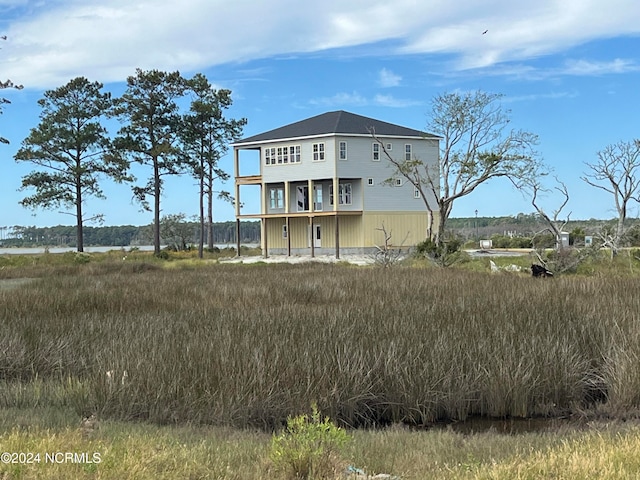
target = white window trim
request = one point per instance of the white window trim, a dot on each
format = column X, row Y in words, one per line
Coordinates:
column 408, row 153
column 321, row 153
column 375, row 149
column 399, row 182
column 370, row 182
column 282, row 155
column 340, row 150
column 276, row 198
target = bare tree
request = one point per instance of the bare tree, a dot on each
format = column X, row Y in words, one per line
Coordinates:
column 562, row 259
column 475, row 147
column 617, row 172
column 3, row 85
column 553, row 224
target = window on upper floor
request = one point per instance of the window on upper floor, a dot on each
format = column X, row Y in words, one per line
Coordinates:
column 344, row 194
column 318, row 152
column 398, row 182
column 416, row 193
column 282, row 155
column 294, row 153
column 343, row 151
column 276, row 198
column 407, row 151
column 376, row 152
column 269, row 156
column 370, row 182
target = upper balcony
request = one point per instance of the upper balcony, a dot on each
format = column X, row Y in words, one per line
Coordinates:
column 249, row 180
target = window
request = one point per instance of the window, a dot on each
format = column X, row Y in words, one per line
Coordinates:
column 282, row 155
column 317, row 198
column 276, row 198
column 389, row 146
column 407, row 151
column 370, row 182
column 344, row 194
column 318, row 152
column 416, row 193
column 398, row 182
column 343, row 151
column 376, row 152
column 284, row 231
column 294, row 154
column 269, row 156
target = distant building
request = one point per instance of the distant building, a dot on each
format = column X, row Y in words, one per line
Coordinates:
column 321, row 185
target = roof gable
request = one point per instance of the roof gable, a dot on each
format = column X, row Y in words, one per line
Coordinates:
column 338, row 122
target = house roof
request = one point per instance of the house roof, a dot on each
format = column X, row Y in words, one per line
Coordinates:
column 338, row 122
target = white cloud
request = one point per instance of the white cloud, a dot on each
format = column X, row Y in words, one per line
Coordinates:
column 391, row 101
column 586, row 67
column 388, row 79
column 107, row 40
column 341, row 99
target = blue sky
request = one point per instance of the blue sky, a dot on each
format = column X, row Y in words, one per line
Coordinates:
column 569, row 72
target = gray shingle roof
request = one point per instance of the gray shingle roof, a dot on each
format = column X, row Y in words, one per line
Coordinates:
column 338, row 122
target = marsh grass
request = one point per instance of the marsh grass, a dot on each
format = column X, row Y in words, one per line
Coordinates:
column 146, row 451
column 250, row 345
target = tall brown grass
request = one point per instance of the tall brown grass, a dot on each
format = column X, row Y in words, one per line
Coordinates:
column 250, row 345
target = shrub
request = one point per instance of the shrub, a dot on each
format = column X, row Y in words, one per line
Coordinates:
column 444, row 254
column 308, row 447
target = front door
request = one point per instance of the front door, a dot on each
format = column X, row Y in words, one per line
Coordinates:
column 317, row 236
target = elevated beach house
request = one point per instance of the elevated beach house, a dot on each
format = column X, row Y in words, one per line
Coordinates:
column 326, row 186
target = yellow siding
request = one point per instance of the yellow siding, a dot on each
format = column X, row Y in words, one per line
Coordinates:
column 406, row 229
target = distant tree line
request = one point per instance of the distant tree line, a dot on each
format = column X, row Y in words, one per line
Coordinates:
column 519, row 231
column 122, row 235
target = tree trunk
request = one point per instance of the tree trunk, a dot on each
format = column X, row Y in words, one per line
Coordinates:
column 156, row 207
column 210, row 208
column 79, row 232
column 202, row 193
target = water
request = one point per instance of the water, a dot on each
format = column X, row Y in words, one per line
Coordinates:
column 142, row 248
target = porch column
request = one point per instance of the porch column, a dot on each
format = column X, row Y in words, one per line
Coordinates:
column 263, row 233
column 337, row 238
column 237, row 235
column 313, row 238
column 286, row 196
column 288, row 236
column 311, row 196
column 236, row 173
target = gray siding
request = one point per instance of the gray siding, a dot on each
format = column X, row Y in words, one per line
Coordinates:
column 380, row 197
column 304, row 170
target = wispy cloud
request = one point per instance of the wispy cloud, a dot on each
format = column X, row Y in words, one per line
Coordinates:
column 57, row 40
column 590, row 68
column 343, row 99
column 540, row 96
column 391, row 101
column 387, row 78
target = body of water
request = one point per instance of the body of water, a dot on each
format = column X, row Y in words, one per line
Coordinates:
column 143, row 248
